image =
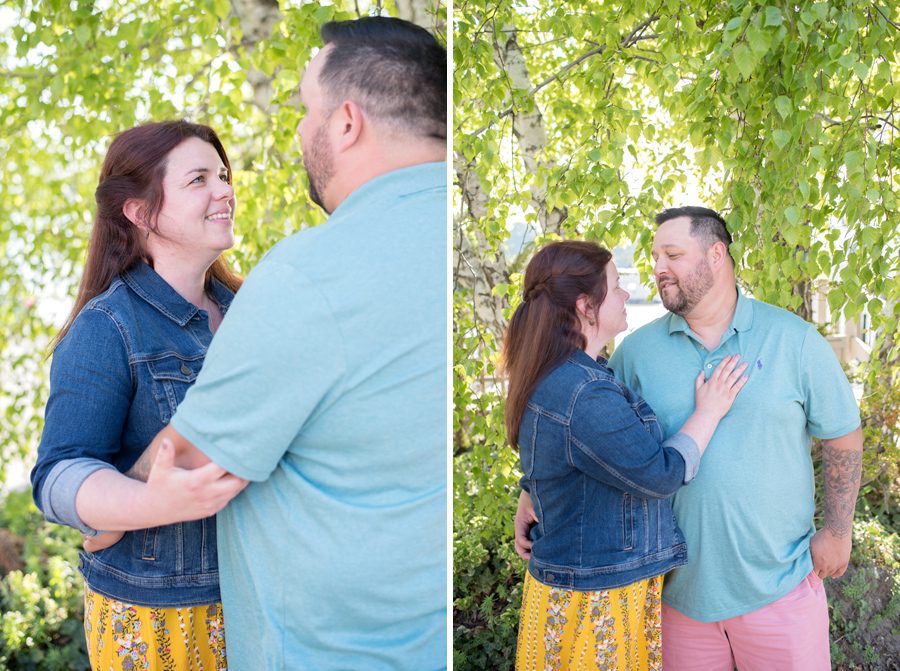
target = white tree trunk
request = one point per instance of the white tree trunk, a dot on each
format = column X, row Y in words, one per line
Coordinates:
column 529, row 129
column 257, row 19
column 422, row 13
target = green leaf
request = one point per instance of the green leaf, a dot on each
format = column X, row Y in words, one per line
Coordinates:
column 773, row 16
column 82, row 34
column 760, row 40
column 781, row 138
column 743, row 58
column 792, row 214
column 853, row 159
column 784, row 106
column 324, row 13
column 870, row 236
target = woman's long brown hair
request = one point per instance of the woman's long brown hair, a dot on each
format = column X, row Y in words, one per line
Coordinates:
column 134, row 168
column 545, row 329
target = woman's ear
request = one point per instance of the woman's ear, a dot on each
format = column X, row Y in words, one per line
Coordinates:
column 585, row 309
column 134, row 210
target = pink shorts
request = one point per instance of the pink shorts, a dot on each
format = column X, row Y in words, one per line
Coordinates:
column 790, row 634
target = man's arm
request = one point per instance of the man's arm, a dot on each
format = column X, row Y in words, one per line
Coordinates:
column 842, row 469
column 181, row 485
column 186, row 454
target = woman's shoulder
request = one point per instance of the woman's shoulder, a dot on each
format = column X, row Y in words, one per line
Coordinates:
column 103, row 321
column 570, row 380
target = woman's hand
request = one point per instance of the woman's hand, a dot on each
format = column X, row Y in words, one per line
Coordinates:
column 715, row 396
column 180, row 495
column 101, row 541
column 525, row 518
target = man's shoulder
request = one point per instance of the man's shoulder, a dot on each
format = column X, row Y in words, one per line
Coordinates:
column 772, row 316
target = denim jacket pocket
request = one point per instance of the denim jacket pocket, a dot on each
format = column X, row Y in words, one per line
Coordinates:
column 527, row 447
column 172, row 376
column 627, row 522
column 145, row 543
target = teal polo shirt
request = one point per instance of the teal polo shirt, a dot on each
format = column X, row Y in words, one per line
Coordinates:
column 326, row 386
column 748, row 515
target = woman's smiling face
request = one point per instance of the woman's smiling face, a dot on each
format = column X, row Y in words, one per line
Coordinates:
column 197, row 214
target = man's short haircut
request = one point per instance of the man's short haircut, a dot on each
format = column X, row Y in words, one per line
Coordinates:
column 394, row 70
column 707, row 225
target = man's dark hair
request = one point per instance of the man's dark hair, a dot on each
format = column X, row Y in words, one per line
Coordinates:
column 706, row 225
column 395, row 70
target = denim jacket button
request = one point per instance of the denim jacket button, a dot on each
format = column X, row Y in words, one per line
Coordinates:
column 550, row 576
column 185, row 370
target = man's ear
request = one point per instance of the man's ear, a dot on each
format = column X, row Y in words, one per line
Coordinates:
column 134, row 210
column 718, row 253
column 351, row 123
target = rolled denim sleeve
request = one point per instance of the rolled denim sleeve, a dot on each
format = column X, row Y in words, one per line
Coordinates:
column 687, row 448
column 90, row 397
column 57, row 497
column 608, row 442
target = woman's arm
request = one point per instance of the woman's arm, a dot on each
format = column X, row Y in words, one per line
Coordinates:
column 90, row 397
column 173, row 492
column 609, row 442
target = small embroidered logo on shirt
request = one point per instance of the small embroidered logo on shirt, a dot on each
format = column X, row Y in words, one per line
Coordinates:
column 759, row 364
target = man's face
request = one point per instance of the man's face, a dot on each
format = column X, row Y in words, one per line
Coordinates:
column 318, row 155
column 681, row 269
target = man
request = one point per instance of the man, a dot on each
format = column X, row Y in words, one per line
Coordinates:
column 326, row 384
column 751, row 593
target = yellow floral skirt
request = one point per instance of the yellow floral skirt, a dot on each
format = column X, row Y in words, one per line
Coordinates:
column 617, row 629
column 124, row 637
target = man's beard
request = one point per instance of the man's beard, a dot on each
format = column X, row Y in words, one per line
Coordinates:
column 319, row 166
column 690, row 290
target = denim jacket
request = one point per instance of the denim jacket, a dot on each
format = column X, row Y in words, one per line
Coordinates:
column 115, row 382
column 600, row 477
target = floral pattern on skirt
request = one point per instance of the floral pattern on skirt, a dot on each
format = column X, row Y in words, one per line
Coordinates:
column 608, row 630
column 126, row 637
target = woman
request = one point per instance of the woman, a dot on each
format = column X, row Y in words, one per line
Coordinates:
column 154, row 291
column 596, row 467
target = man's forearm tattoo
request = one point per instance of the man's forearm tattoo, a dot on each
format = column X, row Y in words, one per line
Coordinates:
column 842, row 470
column 141, row 469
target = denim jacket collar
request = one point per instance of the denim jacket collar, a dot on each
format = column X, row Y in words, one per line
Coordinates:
column 742, row 320
column 152, row 288
column 582, row 358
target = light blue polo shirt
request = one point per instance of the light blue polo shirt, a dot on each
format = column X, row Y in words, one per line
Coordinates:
column 326, row 386
column 748, row 515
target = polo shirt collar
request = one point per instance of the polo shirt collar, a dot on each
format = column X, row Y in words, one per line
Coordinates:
column 741, row 321
column 152, row 288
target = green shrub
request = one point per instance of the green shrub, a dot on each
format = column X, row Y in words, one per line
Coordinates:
column 487, row 593
column 864, row 603
column 42, row 607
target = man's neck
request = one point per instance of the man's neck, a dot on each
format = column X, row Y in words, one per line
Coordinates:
column 380, row 161
column 711, row 316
